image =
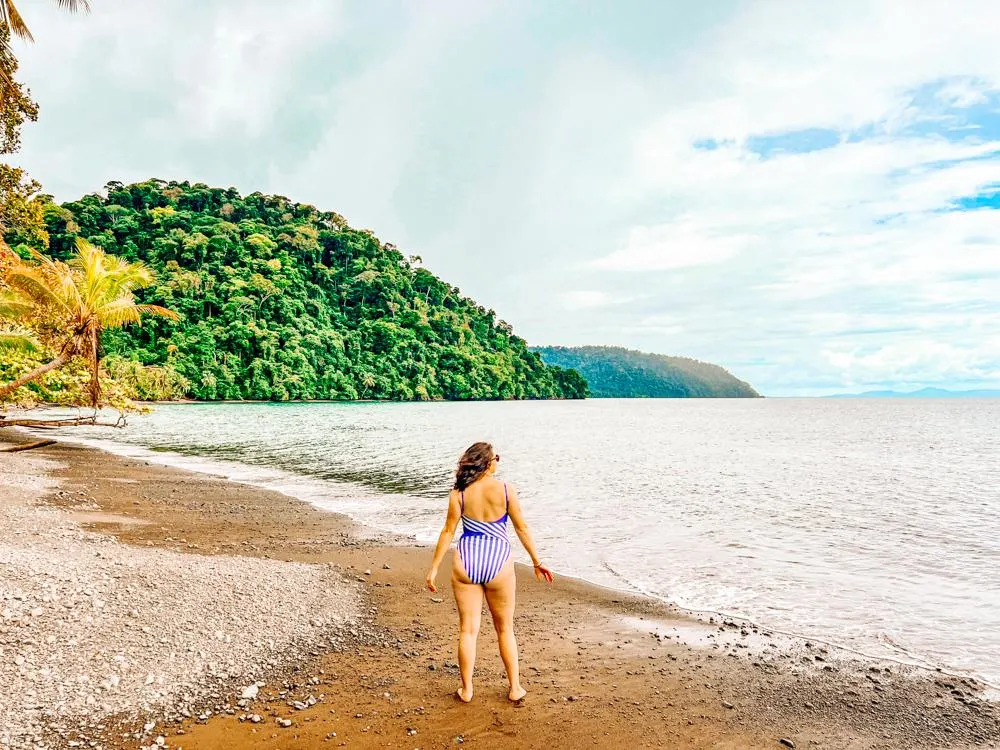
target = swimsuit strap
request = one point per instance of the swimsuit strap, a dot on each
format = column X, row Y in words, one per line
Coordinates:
column 506, row 500
column 462, row 493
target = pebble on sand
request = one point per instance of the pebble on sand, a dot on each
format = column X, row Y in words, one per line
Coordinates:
column 250, row 692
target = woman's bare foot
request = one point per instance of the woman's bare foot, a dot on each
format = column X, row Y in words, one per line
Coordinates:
column 516, row 694
column 465, row 697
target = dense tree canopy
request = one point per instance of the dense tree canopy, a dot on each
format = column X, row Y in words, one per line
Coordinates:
column 20, row 209
column 281, row 301
column 614, row 372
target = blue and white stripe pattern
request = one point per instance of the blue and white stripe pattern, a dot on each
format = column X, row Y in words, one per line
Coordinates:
column 484, row 546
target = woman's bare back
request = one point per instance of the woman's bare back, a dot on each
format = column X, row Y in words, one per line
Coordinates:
column 485, row 500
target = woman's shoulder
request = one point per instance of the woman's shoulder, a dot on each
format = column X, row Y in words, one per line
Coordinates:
column 493, row 485
column 503, row 486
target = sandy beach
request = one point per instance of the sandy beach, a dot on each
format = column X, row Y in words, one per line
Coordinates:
column 241, row 618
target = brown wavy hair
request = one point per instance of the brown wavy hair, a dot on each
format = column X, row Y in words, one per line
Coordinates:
column 473, row 464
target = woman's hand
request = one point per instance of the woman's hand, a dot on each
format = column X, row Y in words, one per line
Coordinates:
column 431, row 575
column 543, row 574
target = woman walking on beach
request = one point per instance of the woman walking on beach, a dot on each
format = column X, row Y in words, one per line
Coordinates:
column 482, row 564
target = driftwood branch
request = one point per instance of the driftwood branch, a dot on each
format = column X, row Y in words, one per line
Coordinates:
column 48, row 424
column 27, row 446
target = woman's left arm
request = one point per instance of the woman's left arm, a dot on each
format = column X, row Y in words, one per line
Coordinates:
column 445, row 537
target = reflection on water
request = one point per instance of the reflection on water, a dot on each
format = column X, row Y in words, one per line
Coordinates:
column 874, row 523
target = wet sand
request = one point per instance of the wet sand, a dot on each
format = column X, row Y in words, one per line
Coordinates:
column 603, row 669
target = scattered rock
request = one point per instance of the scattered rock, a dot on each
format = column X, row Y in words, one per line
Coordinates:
column 91, row 627
column 250, row 692
column 786, row 742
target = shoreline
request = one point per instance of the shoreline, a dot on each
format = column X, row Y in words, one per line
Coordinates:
column 603, row 667
column 218, row 469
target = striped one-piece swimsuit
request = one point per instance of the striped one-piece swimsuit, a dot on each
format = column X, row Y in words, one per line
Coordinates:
column 484, row 546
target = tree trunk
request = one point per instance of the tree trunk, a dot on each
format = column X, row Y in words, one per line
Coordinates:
column 51, row 424
column 8, row 388
column 95, row 368
column 28, row 446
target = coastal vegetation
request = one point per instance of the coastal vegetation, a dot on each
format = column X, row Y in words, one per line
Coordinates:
column 64, row 308
column 281, row 301
column 615, row 372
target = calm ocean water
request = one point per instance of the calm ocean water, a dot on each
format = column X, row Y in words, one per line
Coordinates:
column 873, row 524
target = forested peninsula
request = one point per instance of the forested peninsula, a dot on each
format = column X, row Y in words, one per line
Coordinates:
column 615, row 372
column 281, row 301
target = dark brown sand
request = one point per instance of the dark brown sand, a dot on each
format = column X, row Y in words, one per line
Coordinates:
column 596, row 672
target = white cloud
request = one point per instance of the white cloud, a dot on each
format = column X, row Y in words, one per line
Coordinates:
column 372, row 127
column 225, row 63
column 586, row 299
column 963, row 92
column 676, row 245
column 657, row 325
column 243, row 61
column 915, row 362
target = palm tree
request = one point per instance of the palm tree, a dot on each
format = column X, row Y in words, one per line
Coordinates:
column 11, row 18
column 75, row 302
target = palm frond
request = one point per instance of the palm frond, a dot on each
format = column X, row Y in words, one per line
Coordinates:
column 107, row 277
column 14, row 307
column 13, row 20
column 132, row 279
column 60, row 279
column 117, row 313
column 35, row 287
column 88, row 261
column 160, row 312
column 18, row 340
column 124, row 310
column 75, row 5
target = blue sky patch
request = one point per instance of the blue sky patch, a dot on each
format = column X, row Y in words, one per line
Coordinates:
column 709, row 144
column 793, row 142
column 988, row 199
column 956, row 109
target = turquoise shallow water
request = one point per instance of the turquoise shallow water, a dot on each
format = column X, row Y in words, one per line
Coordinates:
column 869, row 523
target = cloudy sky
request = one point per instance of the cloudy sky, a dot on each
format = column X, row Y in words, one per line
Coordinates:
column 805, row 192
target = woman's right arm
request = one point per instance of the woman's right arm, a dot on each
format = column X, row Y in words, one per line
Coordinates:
column 521, row 528
column 444, row 538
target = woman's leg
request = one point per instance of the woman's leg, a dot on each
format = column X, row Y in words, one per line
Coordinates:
column 500, row 595
column 469, row 598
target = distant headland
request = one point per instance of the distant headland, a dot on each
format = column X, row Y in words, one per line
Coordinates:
column 924, row 393
column 616, row 372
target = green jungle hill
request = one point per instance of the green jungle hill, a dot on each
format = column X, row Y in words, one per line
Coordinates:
column 280, row 301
